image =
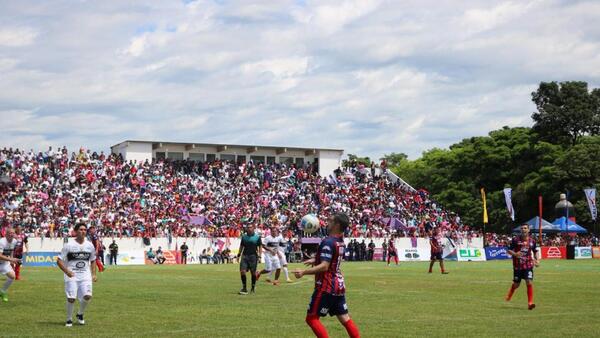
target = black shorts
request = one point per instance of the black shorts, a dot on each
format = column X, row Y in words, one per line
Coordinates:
column 526, row 274
column 323, row 304
column 248, row 262
column 437, row 256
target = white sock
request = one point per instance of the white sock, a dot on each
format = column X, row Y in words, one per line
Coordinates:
column 82, row 305
column 285, row 271
column 70, row 307
column 271, row 275
column 7, row 284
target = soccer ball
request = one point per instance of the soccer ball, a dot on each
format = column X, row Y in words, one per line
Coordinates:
column 310, row 223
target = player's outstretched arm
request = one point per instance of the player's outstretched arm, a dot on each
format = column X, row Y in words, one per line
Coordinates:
column 514, row 254
column 536, row 260
column 61, row 265
column 322, row 267
column 93, row 270
column 9, row 259
column 309, row 262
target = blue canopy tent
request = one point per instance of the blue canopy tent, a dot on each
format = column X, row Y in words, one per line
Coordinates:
column 569, row 226
column 534, row 226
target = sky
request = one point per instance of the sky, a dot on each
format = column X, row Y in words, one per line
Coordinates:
column 368, row 76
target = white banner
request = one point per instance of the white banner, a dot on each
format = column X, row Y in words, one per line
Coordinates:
column 136, row 257
column 470, row 254
column 583, row 252
column 413, row 250
column 590, row 195
column 509, row 206
column 450, row 249
column 418, row 254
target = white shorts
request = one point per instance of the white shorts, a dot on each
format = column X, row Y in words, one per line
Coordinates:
column 272, row 263
column 78, row 289
column 6, row 268
column 282, row 259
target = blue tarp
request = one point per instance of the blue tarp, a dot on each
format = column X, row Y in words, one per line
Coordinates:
column 571, row 227
column 534, row 226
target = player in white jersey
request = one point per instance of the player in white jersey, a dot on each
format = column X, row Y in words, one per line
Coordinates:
column 283, row 259
column 77, row 261
column 281, row 245
column 7, row 246
column 270, row 245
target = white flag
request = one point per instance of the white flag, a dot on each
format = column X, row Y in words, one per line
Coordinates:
column 590, row 195
column 509, row 206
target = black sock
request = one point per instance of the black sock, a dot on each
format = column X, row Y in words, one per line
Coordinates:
column 244, row 280
column 253, row 279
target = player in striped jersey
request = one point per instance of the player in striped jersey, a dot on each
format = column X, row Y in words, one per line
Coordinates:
column 523, row 250
column 329, row 296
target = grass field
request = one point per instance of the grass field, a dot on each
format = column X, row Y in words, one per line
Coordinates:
column 202, row 301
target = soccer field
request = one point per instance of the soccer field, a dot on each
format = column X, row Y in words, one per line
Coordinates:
column 202, row 301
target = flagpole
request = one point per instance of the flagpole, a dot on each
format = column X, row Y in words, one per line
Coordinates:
column 540, row 204
column 485, row 215
column 567, row 220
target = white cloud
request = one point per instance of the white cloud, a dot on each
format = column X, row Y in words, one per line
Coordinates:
column 287, row 67
column 17, row 37
column 477, row 20
column 371, row 77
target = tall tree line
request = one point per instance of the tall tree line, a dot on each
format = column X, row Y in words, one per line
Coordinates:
column 560, row 152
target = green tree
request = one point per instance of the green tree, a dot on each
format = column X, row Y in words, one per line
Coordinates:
column 394, row 159
column 351, row 157
column 566, row 111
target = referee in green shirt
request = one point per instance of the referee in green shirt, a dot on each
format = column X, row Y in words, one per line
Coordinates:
column 250, row 250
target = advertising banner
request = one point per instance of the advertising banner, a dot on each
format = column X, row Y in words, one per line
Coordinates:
column 493, row 253
column 131, row 258
column 40, row 258
column 590, row 195
column 583, row 252
column 378, row 254
column 417, row 254
column 596, row 252
column 470, row 254
column 554, row 252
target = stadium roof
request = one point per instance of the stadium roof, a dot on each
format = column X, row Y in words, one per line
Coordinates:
column 194, row 144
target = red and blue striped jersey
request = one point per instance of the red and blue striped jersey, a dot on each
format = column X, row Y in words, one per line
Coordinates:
column 526, row 247
column 331, row 281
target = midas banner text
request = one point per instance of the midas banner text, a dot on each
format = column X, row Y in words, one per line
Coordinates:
column 40, row 258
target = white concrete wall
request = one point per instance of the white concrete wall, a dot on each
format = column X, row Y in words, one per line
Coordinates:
column 137, row 151
column 141, row 151
column 329, row 161
column 132, row 244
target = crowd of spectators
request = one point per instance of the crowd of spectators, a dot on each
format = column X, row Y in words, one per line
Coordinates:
column 492, row 239
column 47, row 192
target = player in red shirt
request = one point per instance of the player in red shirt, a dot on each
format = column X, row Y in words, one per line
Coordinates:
column 95, row 240
column 330, row 290
column 437, row 250
column 20, row 248
column 392, row 252
column 523, row 249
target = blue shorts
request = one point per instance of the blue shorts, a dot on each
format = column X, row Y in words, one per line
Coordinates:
column 323, row 304
column 518, row 275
